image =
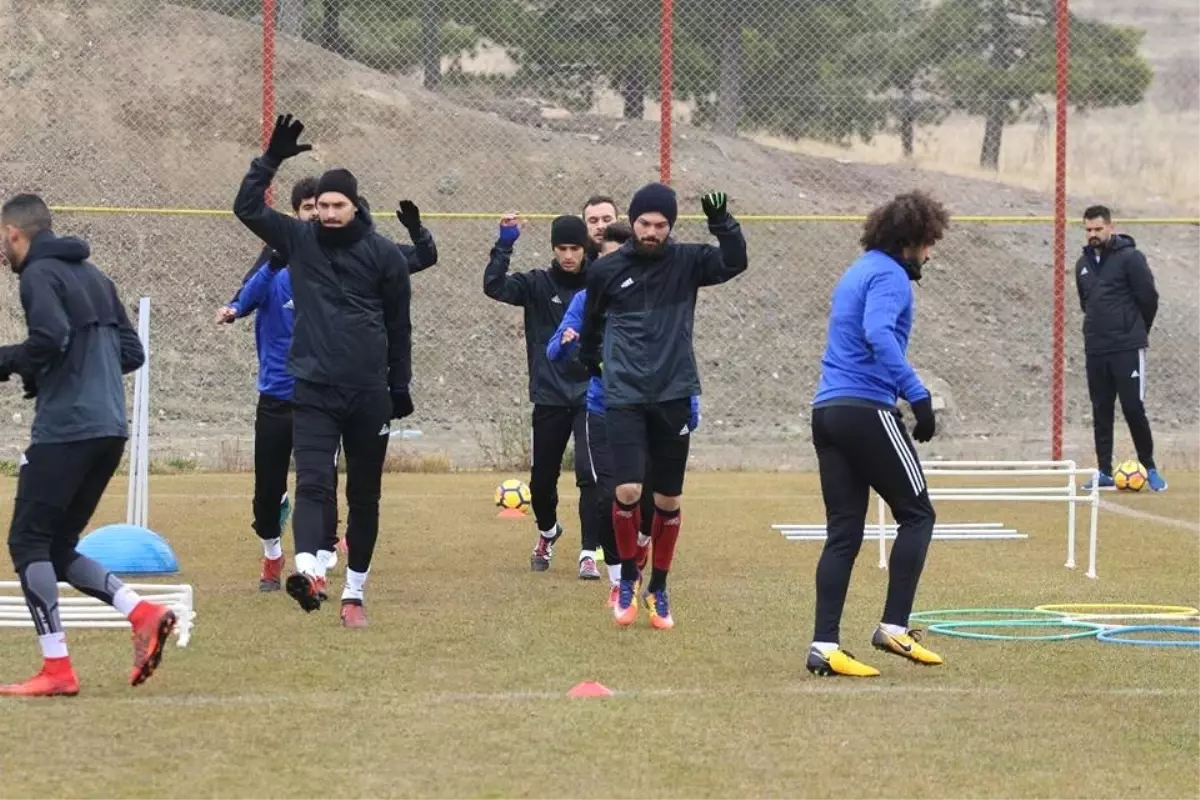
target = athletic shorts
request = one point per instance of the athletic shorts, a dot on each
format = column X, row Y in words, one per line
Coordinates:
column 651, row 436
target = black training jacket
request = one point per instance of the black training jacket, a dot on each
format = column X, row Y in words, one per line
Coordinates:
column 78, row 347
column 545, row 295
column 352, row 326
column 640, row 311
column 1117, row 296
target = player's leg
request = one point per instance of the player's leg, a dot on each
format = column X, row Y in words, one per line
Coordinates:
column 1129, row 371
column 552, row 427
column 669, row 439
column 1102, row 389
column 846, row 495
column 627, row 443
column 152, row 623
column 272, row 456
column 327, row 555
column 316, row 431
column 586, row 479
column 365, row 437
column 888, row 459
column 646, row 528
column 596, row 441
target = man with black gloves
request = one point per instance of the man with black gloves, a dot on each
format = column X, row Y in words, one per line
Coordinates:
column 351, row 358
column 1119, row 302
column 78, row 348
column 557, row 389
column 857, row 431
column 637, row 335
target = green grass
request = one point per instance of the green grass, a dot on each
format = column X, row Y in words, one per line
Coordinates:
column 459, row 686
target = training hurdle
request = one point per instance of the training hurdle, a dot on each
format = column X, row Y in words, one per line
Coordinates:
column 80, row 611
column 1061, row 486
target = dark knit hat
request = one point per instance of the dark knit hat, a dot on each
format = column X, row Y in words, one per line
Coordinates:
column 568, row 229
column 654, row 197
column 341, row 181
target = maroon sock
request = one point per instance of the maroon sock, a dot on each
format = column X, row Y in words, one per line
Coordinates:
column 664, row 533
column 626, row 522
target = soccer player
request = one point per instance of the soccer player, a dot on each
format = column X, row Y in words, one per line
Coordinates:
column 78, row 346
column 637, row 323
column 860, row 440
column 351, row 358
column 556, row 389
column 563, row 344
column 599, row 212
column 1119, row 302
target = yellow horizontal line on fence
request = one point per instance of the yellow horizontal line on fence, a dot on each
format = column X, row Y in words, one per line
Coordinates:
column 489, row 215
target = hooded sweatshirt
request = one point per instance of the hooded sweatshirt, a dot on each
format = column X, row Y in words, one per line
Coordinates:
column 1117, row 296
column 79, row 344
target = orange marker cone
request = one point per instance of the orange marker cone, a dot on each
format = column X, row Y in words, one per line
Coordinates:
column 589, row 689
column 511, row 513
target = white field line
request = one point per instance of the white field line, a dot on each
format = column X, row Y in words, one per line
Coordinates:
column 1136, row 513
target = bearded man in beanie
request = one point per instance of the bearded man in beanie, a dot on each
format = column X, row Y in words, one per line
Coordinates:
column 557, row 389
column 351, row 356
column 637, row 335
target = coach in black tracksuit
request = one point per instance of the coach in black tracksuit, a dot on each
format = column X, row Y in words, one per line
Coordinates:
column 556, row 388
column 637, row 334
column 1119, row 302
column 351, row 357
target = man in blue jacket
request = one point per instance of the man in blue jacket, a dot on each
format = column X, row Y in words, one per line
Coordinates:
column 860, row 440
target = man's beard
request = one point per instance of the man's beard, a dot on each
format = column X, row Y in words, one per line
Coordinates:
column 1095, row 241
column 649, row 247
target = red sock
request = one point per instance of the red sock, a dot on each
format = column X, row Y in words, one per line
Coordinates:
column 664, row 533
column 627, row 520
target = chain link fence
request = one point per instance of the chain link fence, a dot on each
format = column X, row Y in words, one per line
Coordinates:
column 137, row 118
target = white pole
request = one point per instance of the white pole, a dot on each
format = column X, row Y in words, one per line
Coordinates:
column 1092, row 534
column 144, row 428
column 1071, row 517
column 134, row 448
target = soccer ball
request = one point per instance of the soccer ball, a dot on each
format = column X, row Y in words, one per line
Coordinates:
column 1130, row 476
column 513, row 494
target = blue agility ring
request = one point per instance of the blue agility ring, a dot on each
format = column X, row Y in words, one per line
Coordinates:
column 1111, row 635
column 967, row 615
column 1086, row 629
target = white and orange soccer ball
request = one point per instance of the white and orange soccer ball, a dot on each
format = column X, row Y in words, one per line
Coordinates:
column 514, row 495
column 1130, row 476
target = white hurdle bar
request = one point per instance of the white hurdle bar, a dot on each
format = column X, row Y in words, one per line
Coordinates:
column 81, row 611
column 1067, row 492
column 137, row 509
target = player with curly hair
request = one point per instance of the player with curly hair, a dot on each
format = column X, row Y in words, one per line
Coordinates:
column 858, row 434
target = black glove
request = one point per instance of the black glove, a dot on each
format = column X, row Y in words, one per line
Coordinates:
column 402, row 404
column 595, row 366
column 409, row 216
column 30, row 386
column 285, row 139
column 276, row 261
column 926, row 423
column 713, row 204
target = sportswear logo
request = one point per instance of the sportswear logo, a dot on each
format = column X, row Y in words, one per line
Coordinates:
column 555, row 300
column 1083, row 271
column 385, row 430
column 1134, row 374
column 684, row 430
column 289, row 305
column 625, row 284
column 905, row 647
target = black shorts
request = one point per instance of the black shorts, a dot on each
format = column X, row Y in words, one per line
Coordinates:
column 652, row 436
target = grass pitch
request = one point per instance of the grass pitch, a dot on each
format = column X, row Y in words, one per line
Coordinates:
column 458, row 688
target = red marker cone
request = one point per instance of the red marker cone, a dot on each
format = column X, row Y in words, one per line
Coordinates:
column 589, row 689
column 511, row 513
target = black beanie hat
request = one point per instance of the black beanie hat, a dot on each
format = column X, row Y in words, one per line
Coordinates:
column 654, row 197
column 568, row 229
column 341, row 181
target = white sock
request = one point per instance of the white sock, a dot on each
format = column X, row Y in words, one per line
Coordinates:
column 325, row 558
column 894, row 630
column 643, row 540
column 614, row 574
column 550, row 533
column 125, row 600
column 825, row 648
column 355, row 581
column 306, row 563
column 587, row 554
column 271, row 548
column 54, row 645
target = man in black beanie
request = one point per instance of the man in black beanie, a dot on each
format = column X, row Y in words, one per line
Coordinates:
column 557, row 389
column 637, row 335
column 351, row 356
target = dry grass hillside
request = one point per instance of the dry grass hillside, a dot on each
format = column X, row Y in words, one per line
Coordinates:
column 154, row 105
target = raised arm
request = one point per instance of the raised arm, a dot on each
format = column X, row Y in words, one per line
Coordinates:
column 558, row 349
column 887, row 296
column 278, row 230
column 497, row 283
column 422, row 253
column 728, row 260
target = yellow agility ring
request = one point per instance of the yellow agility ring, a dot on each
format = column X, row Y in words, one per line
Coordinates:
column 1093, row 611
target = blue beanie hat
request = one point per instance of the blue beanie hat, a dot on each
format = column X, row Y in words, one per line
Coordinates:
column 654, row 197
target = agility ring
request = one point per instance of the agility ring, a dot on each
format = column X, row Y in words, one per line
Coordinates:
column 1111, row 635
column 1084, row 629
column 1023, row 615
column 1118, row 611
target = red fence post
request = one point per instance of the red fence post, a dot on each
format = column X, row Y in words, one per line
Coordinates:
column 1057, row 371
column 268, row 76
column 665, row 77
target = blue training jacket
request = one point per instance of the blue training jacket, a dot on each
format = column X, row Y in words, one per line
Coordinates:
column 269, row 292
column 869, row 325
column 556, row 350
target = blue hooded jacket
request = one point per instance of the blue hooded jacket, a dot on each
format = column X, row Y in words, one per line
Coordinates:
column 556, row 350
column 869, row 325
column 269, row 292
